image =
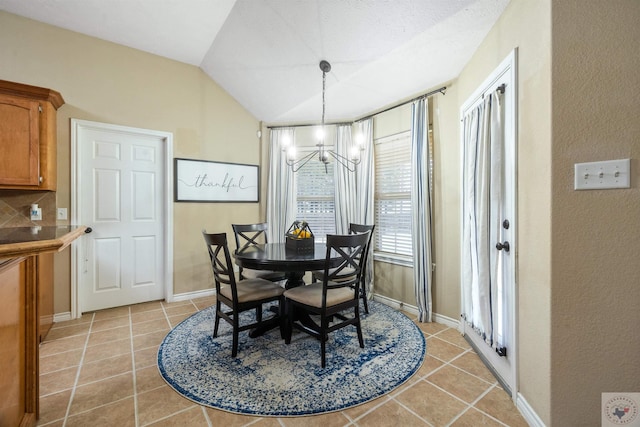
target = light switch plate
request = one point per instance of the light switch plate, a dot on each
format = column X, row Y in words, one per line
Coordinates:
column 62, row 213
column 602, row 175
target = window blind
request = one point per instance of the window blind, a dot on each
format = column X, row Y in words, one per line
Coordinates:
column 393, row 194
column 315, row 198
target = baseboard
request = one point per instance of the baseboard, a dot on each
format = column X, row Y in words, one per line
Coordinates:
column 62, row 317
column 412, row 309
column 527, row 412
column 193, row 295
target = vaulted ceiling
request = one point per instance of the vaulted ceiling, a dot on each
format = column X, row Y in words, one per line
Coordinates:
column 265, row 53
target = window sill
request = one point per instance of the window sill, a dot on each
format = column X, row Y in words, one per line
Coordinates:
column 403, row 260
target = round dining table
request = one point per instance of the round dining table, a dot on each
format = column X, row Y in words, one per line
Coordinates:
column 276, row 257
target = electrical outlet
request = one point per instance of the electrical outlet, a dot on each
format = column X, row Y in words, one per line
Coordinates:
column 62, row 213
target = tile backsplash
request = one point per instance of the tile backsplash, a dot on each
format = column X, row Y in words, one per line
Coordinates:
column 15, row 207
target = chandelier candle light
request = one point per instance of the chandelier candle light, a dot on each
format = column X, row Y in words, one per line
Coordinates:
column 324, row 154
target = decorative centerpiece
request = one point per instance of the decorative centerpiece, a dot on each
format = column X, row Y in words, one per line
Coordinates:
column 299, row 238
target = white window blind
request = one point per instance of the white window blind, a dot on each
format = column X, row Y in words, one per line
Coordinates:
column 315, row 198
column 393, row 194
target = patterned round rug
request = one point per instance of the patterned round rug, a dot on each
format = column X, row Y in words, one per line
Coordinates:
column 270, row 378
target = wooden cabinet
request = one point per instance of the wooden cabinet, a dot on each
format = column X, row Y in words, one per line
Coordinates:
column 45, row 294
column 28, row 136
column 19, row 349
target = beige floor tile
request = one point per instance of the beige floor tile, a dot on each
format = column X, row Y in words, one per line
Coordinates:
column 471, row 363
column 111, row 312
column 432, row 404
column 146, row 316
column 83, row 319
column 120, row 414
column 58, row 381
column 50, row 347
column 114, row 334
column 146, row 357
column 54, row 406
column 429, row 365
column 105, row 351
column 181, row 309
column 358, row 411
column 498, row 404
column 143, row 328
column 192, row 417
column 333, row 419
column 60, row 361
column 110, row 323
column 390, row 414
column 459, row 383
column 203, row 303
column 68, row 331
column 148, row 379
column 431, row 327
column 104, row 368
column 227, row 419
column 176, row 303
column 146, row 306
column 152, row 339
column 100, row 393
column 442, row 349
column 473, row 418
column 266, row 422
column 160, row 403
column 454, row 337
column 175, row 320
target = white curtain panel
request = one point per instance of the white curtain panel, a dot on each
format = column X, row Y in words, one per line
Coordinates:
column 345, row 198
column 482, row 193
column 364, row 175
column 281, row 186
column 421, row 208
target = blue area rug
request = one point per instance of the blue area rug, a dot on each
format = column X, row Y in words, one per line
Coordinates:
column 270, row 378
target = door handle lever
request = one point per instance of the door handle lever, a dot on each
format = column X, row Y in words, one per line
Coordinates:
column 501, row 246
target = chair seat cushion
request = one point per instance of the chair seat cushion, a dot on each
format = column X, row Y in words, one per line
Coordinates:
column 312, row 295
column 262, row 274
column 253, row 289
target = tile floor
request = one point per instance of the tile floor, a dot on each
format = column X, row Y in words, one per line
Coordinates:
column 101, row 370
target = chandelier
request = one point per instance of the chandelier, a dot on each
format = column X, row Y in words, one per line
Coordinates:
column 324, row 154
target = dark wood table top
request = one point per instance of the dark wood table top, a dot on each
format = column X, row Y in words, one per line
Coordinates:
column 274, row 256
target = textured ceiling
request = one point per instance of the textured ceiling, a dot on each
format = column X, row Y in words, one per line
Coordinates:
column 265, row 53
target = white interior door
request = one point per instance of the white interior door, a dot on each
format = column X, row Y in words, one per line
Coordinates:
column 502, row 246
column 122, row 195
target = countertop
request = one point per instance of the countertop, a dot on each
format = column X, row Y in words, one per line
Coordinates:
column 24, row 241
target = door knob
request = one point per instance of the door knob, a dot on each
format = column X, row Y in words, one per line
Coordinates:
column 501, row 246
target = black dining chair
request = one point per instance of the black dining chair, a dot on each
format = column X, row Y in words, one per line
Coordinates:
column 336, row 296
column 247, row 235
column 239, row 296
column 356, row 229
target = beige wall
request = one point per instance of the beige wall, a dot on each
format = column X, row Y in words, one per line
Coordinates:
column 108, row 83
column 525, row 25
column 595, row 344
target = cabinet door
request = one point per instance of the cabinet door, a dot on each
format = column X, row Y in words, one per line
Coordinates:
column 19, row 141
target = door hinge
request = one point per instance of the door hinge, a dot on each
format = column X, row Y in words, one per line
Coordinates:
column 39, row 108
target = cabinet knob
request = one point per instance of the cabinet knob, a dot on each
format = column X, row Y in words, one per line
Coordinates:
column 41, row 179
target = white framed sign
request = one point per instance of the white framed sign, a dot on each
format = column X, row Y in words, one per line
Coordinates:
column 206, row 181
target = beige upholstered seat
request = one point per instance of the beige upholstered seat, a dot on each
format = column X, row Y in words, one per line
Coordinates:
column 331, row 299
column 239, row 296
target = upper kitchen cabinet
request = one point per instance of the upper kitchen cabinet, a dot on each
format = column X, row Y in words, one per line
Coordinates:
column 28, row 136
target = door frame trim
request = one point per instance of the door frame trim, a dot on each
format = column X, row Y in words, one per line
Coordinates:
column 509, row 65
column 76, row 185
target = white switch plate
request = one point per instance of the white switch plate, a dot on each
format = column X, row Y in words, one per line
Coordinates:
column 600, row 175
column 62, row 213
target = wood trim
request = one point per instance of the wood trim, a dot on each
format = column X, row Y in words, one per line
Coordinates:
column 32, row 92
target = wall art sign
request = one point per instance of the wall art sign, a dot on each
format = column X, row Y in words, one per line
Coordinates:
column 205, row 181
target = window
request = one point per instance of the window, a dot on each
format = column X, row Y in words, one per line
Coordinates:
column 393, row 196
column 315, row 202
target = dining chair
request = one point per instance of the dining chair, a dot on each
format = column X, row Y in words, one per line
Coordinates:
column 248, row 235
column 356, row 229
column 239, row 296
column 336, row 296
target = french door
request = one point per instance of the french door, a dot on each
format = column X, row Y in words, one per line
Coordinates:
column 489, row 222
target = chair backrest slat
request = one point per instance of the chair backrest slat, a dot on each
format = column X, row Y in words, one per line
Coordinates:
column 249, row 234
column 221, row 261
column 350, row 248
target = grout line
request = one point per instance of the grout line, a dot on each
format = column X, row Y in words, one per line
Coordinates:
column 75, row 383
column 206, row 416
column 133, row 368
